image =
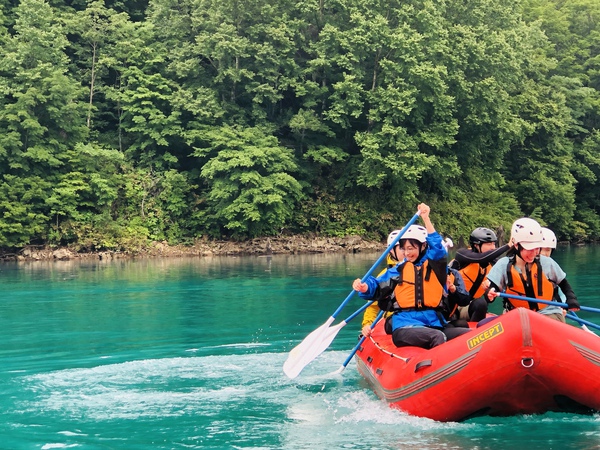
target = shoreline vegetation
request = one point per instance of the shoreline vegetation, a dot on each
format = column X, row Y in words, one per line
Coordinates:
column 295, row 244
column 278, row 245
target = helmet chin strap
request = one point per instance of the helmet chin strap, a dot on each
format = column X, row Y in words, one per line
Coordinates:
column 423, row 249
column 519, row 249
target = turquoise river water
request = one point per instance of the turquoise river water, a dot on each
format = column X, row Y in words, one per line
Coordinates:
column 188, row 353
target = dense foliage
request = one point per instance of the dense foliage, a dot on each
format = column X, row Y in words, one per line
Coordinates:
column 124, row 122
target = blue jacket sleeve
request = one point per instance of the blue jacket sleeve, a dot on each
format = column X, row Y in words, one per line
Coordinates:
column 373, row 283
column 459, row 281
column 435, row 250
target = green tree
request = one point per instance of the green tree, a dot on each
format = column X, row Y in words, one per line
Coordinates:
column 251, row 188
column 538, row 169
column 41, row 116
column 573, row 31
column 82, row 202
column 98, row 29
column 586, row 169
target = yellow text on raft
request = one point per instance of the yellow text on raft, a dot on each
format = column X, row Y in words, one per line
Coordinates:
column 488, row 334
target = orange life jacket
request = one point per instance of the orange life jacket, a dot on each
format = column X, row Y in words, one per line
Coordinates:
column 418, row 287
column 534, row 284
column 474, row 274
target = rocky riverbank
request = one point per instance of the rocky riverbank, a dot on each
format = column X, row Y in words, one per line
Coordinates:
column 261, row 246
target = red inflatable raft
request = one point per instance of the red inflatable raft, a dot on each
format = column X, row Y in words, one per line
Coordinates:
column 519, row 363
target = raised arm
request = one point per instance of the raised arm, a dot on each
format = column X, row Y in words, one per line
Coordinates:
column 465, row 256
column 425, row 210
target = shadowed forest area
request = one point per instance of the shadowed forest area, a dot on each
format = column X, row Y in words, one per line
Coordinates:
column 124, row 123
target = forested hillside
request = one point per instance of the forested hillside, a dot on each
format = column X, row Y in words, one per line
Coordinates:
column 124, row 122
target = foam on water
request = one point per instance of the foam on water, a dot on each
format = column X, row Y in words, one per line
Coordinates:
column 234, row 398
column 175, row 386
column 239, row 397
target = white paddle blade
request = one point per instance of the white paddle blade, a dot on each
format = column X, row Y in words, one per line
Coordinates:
column 339, row 371
column 588, row 330
column 312, row 346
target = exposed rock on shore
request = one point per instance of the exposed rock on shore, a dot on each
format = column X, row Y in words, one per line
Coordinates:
column 260, row 246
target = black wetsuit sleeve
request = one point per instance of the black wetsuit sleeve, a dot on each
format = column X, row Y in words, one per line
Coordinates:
column 493, row 285
column 458, row 298
column 568, row 291
column 490, row 287
column 465, row 256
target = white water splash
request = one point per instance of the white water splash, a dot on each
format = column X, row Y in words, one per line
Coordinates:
column 237, row 399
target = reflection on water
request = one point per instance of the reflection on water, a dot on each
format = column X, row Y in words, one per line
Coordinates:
column 188, row 353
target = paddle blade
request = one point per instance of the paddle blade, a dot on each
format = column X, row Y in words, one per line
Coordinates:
column 339, row 371
column 587, row 329
column 312, row 346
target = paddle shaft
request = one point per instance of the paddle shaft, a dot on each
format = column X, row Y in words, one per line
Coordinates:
column 315, row 344
column 546, row 302
column 317, row 341
column 378, row 262
column 358, row 311
column 582, row 321
column 360, row 342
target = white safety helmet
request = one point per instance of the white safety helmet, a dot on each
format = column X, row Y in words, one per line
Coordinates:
column 528, row 233
column 392, row 236
column 549, row 238
column 416, row 232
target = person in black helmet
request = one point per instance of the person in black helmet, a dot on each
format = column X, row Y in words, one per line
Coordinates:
column 474, row 263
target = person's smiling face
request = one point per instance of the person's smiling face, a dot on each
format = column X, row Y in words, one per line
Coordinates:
column 411, row 253
column 529, row 255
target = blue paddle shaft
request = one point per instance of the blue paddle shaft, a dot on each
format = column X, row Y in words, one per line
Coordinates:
column 358, row 311
column 582, row 321
column 546, row 302
column 362, row 339
column 379, row 261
